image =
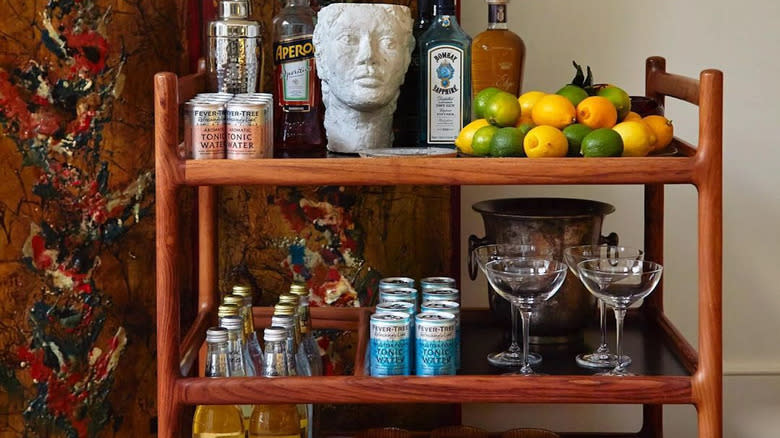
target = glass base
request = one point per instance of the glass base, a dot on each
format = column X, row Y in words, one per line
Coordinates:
column 617, row 373
column 600, row 360
column 508, row 359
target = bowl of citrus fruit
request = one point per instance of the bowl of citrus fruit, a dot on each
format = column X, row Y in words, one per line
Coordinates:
column 579, row 120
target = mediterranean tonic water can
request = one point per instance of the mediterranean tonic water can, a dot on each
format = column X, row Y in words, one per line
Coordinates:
column 447, row 307
column 389, row 344
column 435, row 344
column 436, row 283
column 204, row 125
column 395, row 282
column 405, row 294
column 403, row 307
column 441, row 294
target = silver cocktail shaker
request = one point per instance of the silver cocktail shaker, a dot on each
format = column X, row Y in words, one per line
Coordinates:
column 235, row 49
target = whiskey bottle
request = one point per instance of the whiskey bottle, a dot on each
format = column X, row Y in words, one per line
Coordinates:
column 445, row 79
column 498, row 54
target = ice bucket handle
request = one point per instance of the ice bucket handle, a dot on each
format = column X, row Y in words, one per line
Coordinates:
column 610, row 239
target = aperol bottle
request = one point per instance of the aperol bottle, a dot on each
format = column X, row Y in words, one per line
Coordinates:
column 497, row 54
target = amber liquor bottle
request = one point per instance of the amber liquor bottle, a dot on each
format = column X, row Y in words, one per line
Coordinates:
column 498, row 54
column 298, row 111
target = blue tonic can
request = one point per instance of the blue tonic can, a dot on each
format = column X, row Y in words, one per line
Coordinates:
column 447, row 307
column 435, row 344
column 441, row 294
column 403, row 307
column 436, row 283
column 404, row 294
column 389, row 344
column 395, row 282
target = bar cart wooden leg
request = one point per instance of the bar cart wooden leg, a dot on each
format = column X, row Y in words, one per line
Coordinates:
column 652, row 421
column 208, row 292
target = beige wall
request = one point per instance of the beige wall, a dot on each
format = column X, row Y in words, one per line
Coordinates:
column 614, row 37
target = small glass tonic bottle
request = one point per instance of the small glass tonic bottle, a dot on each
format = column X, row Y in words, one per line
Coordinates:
column 308, row 344
column 445, row 79
column 498, row 54
column 217, row 420
column 250, row 336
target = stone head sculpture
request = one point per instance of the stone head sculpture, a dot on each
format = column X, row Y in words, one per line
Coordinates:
column 362, row 53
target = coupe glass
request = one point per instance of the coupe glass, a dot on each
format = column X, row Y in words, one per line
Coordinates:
column 526, row 282
column 601, row 358
column 512, row 357
column 620, row 283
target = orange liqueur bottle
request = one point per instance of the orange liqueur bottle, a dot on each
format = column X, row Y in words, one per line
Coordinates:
column 497, row 54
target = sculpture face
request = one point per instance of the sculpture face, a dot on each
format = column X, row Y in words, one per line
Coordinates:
column 363, row 52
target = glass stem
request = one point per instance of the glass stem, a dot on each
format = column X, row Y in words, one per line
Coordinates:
column 525, row 313
column 603, row 348
column 514, row 347
column 620, row 315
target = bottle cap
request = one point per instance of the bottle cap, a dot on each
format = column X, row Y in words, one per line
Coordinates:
column 284, row 309
column 233, row 299
column 242, row 290
column 289, row 298
column 444, row 7
column 216, row 334
column 299, row 289
column 228, row 310
column 231, row 322
column 274, row 334
column 285, row 321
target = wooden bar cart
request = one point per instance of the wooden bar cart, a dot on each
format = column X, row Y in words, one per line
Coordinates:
column 694, row 378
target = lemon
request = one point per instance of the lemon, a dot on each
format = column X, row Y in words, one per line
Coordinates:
column 632, row 116
column 507, row 142
column 663, row 130
column 481, row 143
column 574, row 93
column 481, row 101
column 545, row 141
column 603, row 142
column 638, row 138
column 554, row 110
column 619, row 98
column 527, row 101
column 502, row 109
column 597, row 112
column 466, row 136
column 574, row 135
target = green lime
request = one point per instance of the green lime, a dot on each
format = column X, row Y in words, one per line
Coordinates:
column 574, row 93
column 503, row 109
column 619, row 98
column 480, row 144
column 507, row 142
column 575, row 133
column 602, row 142
column 525, row 127
column 481, row 101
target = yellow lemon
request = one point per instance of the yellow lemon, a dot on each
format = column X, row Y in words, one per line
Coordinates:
column 632, row 116
column 597, row 112
column 527, row 101
column 466, row 136
column 545, row 141
column 663, row 130
column 554, row 110
column 638, row 138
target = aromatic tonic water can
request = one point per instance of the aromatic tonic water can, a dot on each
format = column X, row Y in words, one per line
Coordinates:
column 403, row 307
column 436, row 283
column 447, row 307
column 435, row 344
column 204, row 127
column 389, row 344
column 246, row 131
column 394, row 282
column 406, row 294
column 441, row 294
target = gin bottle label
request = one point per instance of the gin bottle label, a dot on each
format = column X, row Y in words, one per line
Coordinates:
column 295, row 73
column 445, row 93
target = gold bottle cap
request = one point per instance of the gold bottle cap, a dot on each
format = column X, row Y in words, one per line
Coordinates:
column 242, row 290
column 233, row 299
column 228, row 310
column 284, row 309
column 299, row 289
column 289, row 298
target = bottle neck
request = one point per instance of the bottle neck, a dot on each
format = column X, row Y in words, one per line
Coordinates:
column 424, row 13
column 444, row 8
column 217, row 360
column 249, row 324
column 236, row 353
column 296, row 3
column 305, row 316
column 275, row 359
column 497, row 16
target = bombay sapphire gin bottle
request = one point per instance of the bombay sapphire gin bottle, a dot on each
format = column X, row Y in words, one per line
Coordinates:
column 445, row 80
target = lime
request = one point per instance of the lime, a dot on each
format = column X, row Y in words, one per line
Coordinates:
column 619, row 98
column 574, row 134
column 481, row 101
column 602, row 142
column 480, row 144
column 574, row 93
column 525, row 127
column 507, row 142
column 466, row 135
column 503, row 109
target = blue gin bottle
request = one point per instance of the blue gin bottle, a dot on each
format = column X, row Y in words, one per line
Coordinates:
column 445, row 78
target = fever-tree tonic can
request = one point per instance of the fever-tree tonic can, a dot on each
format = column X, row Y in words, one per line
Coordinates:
column 246, row 131
column 447, row 307
column 436, row 283
column 435, row 344
column 395, row 282
column 204, row 127
column 403, row 307
column 405, row 294
column 389, row 344
column 441, row 294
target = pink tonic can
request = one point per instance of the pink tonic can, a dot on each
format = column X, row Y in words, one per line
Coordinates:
column 204, row 127
column 247, row 125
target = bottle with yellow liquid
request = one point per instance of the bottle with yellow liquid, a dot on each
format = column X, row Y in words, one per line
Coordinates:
column 497, row 54
column 276, row 420
column 217, row 421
